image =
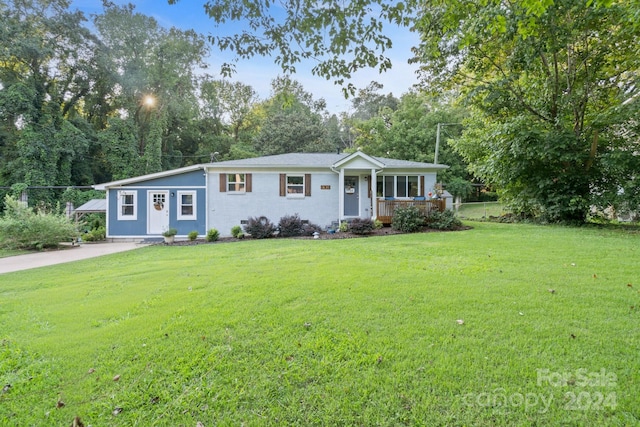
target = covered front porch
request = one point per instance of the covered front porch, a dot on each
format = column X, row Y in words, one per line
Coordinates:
column 385, row 208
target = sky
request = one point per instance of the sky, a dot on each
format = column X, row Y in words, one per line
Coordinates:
column 259, row 71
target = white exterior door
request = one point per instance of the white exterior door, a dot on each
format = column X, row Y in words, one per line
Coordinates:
column 158, row 212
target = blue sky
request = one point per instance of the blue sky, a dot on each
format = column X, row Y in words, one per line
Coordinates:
column 259, row 71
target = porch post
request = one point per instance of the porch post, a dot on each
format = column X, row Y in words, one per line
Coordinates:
column 341, row 195
column 374, row 198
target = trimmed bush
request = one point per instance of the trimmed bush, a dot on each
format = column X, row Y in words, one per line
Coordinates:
column 212, row 235
column 290, row 226
column 193, row 235
column 344, row 226
column 309, row 228
column 23, row 228
column 377, row 224
column 236, row 231
column 361, row 226
column 259, row 227
column 408, row 219
column 446, row 220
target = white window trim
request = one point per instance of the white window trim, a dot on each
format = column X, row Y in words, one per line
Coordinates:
column 244, row 184
column 182, row 217
column 295, row 195
column 395, row 186
column 132, row 217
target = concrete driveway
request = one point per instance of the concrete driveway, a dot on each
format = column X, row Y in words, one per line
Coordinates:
column 68, row 254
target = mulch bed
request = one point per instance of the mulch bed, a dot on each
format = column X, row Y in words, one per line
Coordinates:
column 385, row 231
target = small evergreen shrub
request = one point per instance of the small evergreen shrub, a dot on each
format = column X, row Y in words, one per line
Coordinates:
column 344, row 226
column 259, row 227
column 193, row 235
column 408, row 219
column 236, row 230
column 377, row 224
column 361, row 226
column 290, row 226
column 446, row 220
column 212, row 235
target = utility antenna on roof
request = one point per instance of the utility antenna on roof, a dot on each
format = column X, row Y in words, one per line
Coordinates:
column 213, row 157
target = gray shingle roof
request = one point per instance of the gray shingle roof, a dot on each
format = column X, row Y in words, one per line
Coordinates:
column 315, row 160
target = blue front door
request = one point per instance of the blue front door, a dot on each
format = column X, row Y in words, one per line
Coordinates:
column 351, row 196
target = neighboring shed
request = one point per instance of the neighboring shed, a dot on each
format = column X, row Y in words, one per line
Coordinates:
column 92, row 206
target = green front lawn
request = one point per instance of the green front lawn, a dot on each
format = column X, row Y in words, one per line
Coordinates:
column 500, row 325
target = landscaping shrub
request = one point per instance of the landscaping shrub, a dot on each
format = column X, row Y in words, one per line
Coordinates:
column 213, row 235
column 193, row 235
column 446, row 220
column 361, row 226
column 408, row 219
column 309, row 228
column 23, row 228
column 344, row 226
column 290, row 225
column 236, row 231
column 95, row 235
column 377, row 224
column 259, row 227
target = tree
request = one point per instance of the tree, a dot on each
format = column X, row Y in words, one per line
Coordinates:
column 553, row 86
column 153, row 91
column 293, row 121
column 46, row 70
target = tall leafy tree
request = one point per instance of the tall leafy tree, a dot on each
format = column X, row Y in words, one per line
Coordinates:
column 551, row 84
column 293, row 121
column 46, row 71
column 154, row 92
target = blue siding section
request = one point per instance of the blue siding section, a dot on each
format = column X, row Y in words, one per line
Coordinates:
column 172, row 184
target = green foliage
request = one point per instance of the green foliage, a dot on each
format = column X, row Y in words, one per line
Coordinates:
column 361, row 226
column 459, row 187
column 170, row 232
column 259, row 227
column 408, row 219
column 344, row 226
column 551, row 127
column 236, row 230
column 213, row 235
column 22, row 228
column 377, row 224
column 445, row 220
column 193, row 235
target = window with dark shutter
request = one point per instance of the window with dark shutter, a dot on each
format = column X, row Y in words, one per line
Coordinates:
column 307, row 184
column 223, row 182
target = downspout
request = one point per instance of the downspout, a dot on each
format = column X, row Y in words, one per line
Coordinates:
column 340, row 191
column 207, row 198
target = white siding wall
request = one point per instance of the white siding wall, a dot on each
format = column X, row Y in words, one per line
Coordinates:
column 227, row 209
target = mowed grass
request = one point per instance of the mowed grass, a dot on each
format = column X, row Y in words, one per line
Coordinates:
column 426, row 329
column 478, row 210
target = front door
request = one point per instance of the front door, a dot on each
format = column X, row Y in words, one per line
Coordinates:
column 351, row 196
column 158, row 208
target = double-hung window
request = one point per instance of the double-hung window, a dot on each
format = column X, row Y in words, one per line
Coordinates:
column 235, row 183
column 127, row 205
column 187, row 205
column 295, row 185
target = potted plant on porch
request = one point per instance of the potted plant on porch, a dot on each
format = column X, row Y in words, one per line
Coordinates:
column 169, row 235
